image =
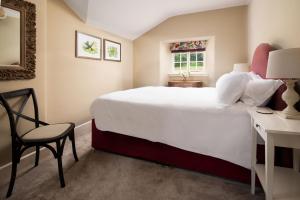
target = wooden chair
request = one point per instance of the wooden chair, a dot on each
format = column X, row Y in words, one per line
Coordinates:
column 38, row 137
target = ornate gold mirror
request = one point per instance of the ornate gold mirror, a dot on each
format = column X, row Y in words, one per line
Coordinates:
column 17, row 40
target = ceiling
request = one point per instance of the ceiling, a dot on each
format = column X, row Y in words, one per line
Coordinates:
column 132, row 18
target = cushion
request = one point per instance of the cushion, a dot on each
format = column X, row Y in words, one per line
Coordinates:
column 231, row 86
column 48, row 132
column 259, row 91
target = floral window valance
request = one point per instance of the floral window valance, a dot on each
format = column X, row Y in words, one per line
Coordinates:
column 199, row 45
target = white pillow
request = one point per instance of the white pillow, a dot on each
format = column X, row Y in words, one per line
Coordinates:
column 231, row 86
column 254, row 76
column 258, row 92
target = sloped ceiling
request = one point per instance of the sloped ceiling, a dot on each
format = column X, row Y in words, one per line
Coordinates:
column 132, row 18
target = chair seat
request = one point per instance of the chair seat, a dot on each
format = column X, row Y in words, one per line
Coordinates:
column 47, row 133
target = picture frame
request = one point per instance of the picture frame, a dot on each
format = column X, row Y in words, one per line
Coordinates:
column 87, row 46
column 112, row 50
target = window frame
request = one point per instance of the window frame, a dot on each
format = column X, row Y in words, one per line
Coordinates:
column 201, row 70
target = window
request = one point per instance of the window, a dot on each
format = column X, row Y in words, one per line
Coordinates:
column 193, row 61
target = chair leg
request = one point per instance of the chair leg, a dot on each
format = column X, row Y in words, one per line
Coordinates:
column 37, row 156
column 13, row 176
column 59, row 162
column 18, row 156
column 72, row 138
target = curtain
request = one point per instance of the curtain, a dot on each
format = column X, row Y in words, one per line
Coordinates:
column 188, row 46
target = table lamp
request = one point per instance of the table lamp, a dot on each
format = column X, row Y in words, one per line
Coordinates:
column 284, row 64
column 241, row 67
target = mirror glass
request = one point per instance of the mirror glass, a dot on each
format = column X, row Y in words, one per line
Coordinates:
column 10, row 36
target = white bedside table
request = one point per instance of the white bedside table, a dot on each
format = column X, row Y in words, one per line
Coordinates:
column 278, row 182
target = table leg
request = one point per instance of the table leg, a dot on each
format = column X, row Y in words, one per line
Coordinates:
column 253, row 157
column 296, row 159
column 269, row 152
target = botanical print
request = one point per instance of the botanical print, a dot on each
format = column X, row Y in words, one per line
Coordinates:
column 88, row 46
column 112, row 50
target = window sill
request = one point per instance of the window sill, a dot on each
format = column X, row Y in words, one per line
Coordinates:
column 203, row 74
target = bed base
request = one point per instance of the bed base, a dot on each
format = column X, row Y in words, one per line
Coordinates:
column 165, row 154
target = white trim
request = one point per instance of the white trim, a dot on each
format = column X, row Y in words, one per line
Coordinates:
column 84, row 128
column 23, row 157
column 80, row 129
column 192, row 74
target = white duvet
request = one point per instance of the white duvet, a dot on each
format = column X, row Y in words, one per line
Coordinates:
column 186, row 118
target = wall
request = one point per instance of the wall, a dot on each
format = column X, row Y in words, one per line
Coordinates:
column 226, row 27
column 65, row 86
column 275, row 22
column 10, row 40
column 73, row 83
column 39, row 83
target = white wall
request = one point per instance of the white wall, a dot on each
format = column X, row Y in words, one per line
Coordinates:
column 273, row 21
column 228, row 28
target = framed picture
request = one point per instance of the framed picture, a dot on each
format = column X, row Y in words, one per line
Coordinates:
column 112, row 51
column 87, row 46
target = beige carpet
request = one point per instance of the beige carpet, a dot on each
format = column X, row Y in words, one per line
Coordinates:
column 104, row 176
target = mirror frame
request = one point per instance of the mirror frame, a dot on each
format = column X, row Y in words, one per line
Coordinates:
column 26, row 70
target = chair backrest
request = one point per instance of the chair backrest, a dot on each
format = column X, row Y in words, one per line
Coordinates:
column 24, row 94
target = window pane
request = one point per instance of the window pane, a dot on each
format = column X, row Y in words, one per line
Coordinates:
column 184, row 69
column 193, row 57
column 184, row 66
column 193, row 68
column 177, row 57
column 200, row 64
column 184, row 57
column 199, row 56
column 177, row 65
column 193, row 64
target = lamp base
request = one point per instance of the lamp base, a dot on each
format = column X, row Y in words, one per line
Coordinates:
column 2, row 13
column 291, row 97
column 286, row 116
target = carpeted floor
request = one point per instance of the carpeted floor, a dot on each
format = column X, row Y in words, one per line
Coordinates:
column 104, row 176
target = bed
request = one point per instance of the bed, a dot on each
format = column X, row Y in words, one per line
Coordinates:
column 173, row 126
column 187, row 118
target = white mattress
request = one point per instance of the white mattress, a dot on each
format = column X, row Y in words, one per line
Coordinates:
column 186, row 118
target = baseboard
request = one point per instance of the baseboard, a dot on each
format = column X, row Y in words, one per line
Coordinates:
column 27, row 161
column 84, row 128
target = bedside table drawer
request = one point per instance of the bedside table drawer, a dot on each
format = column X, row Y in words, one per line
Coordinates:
column 259, row 129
